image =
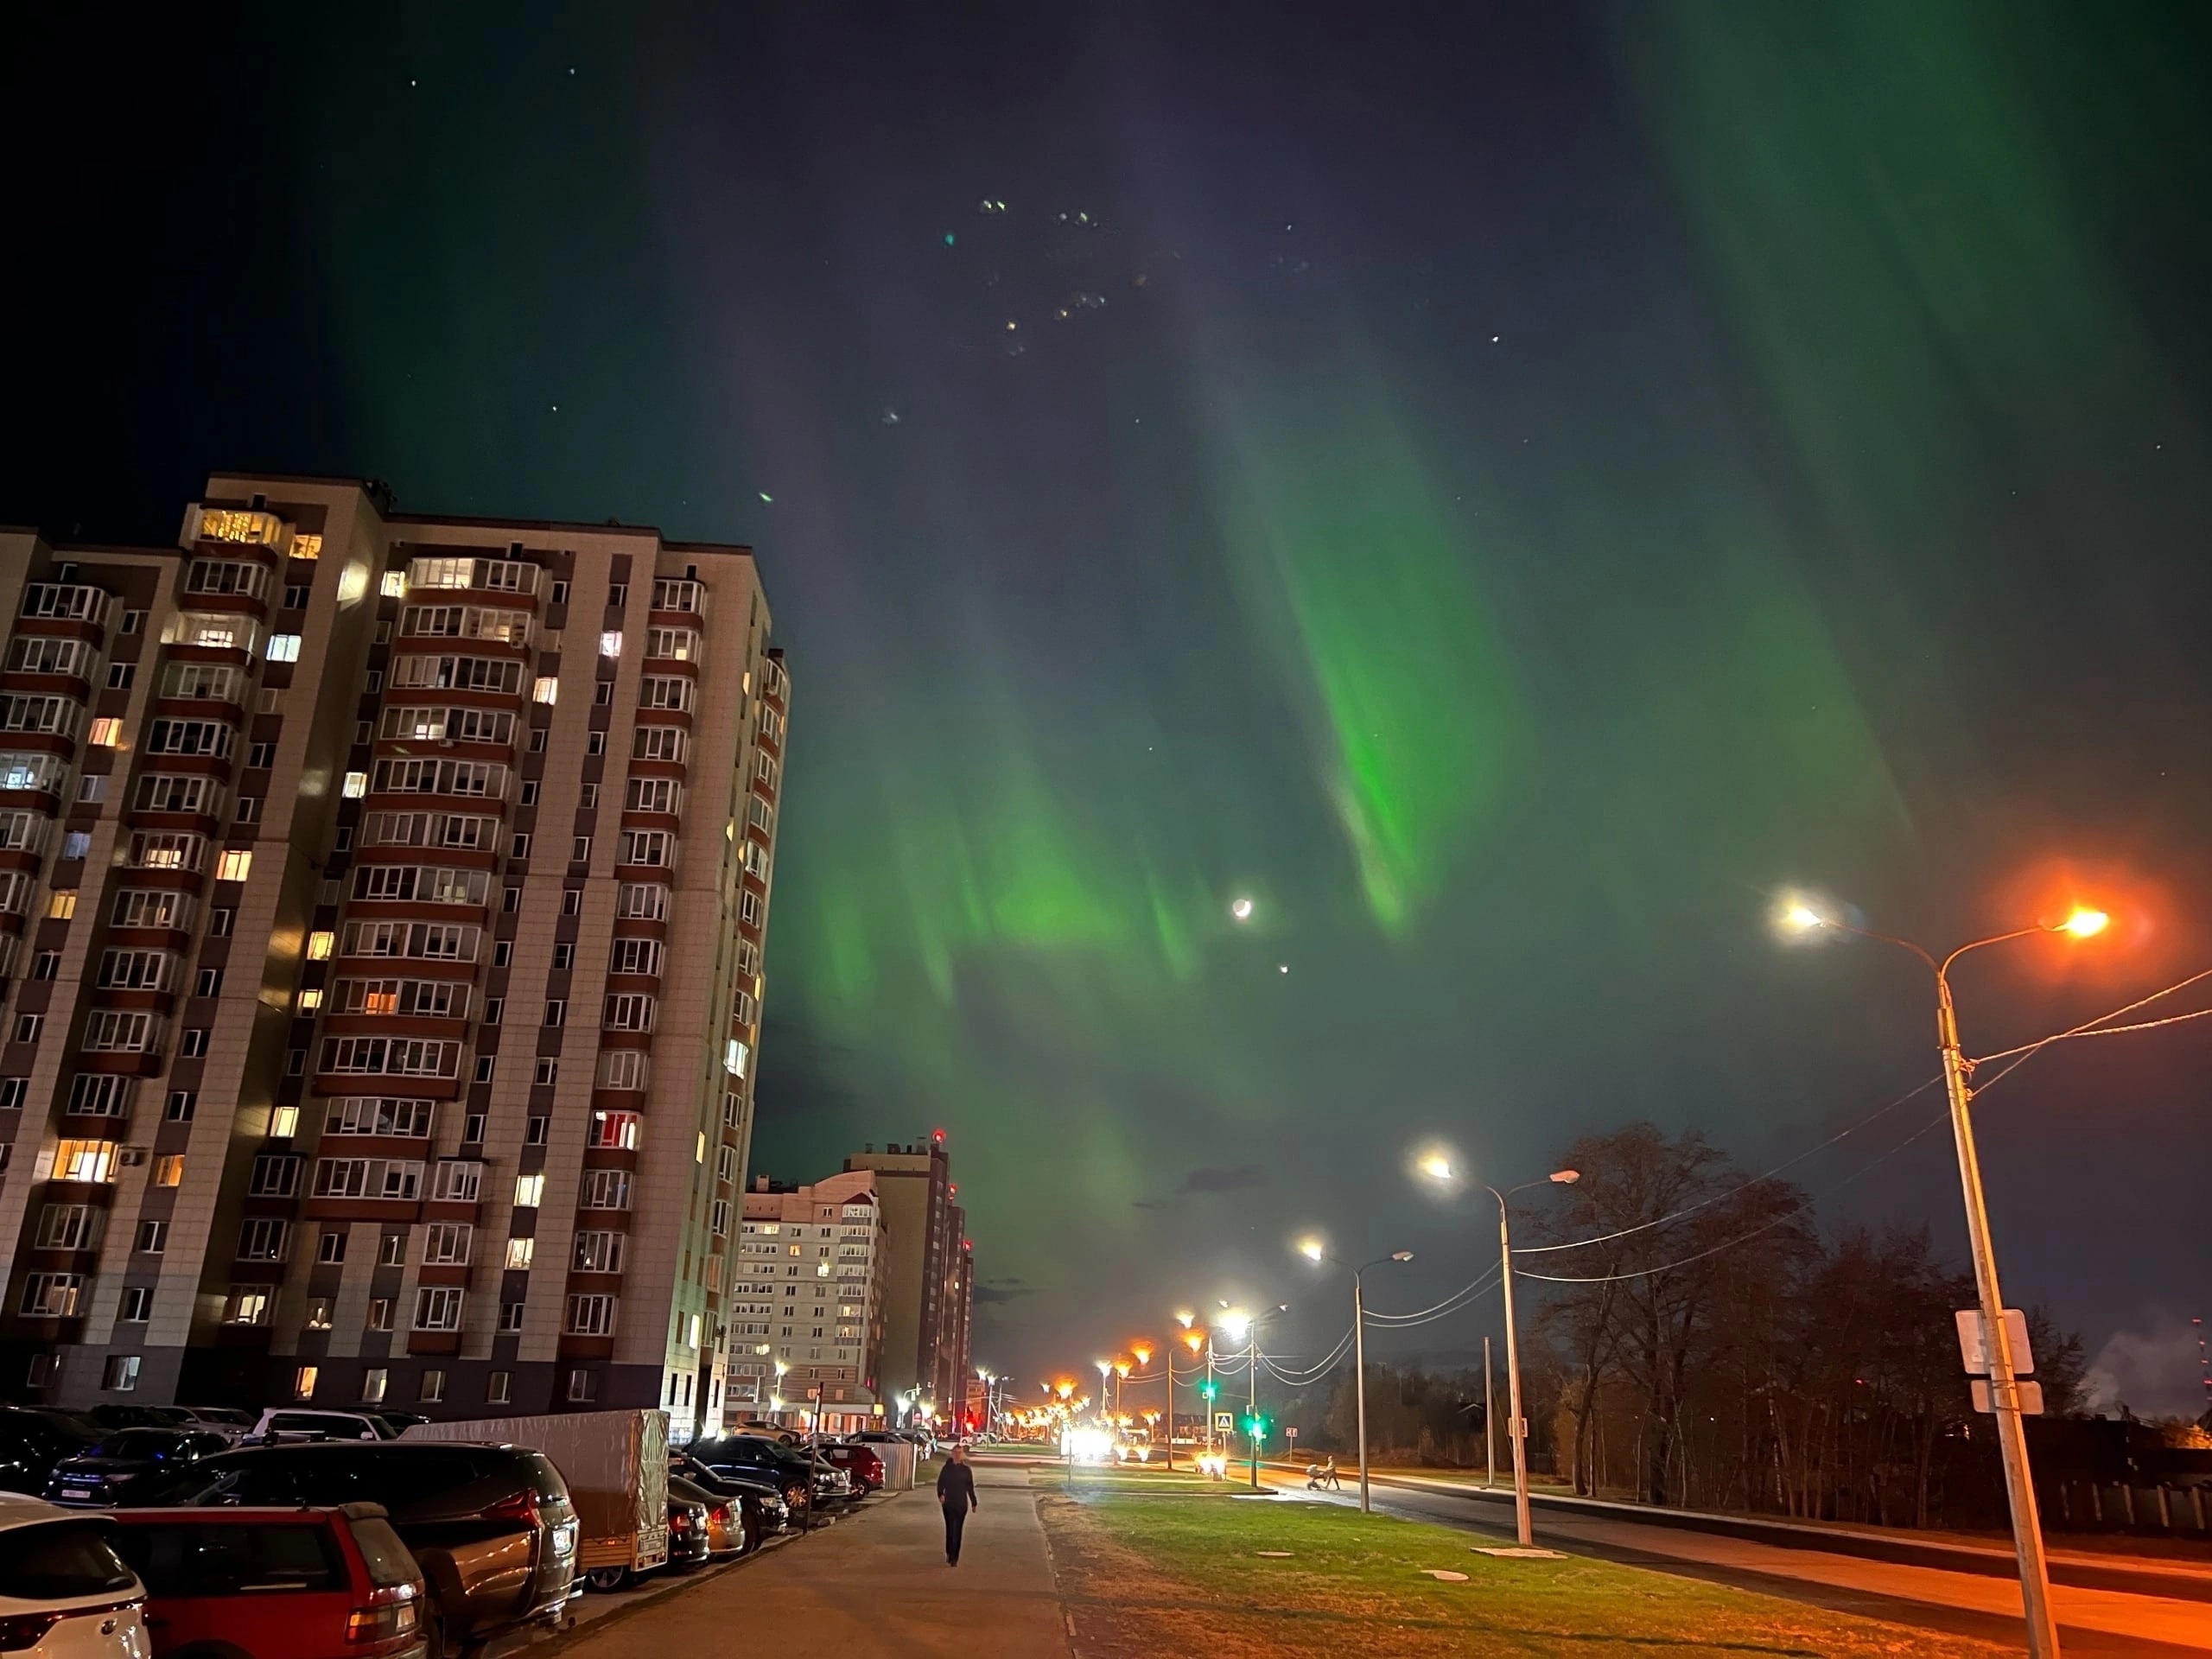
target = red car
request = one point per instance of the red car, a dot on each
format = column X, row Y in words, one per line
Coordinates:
column 862, row 1465
column 331, row 1583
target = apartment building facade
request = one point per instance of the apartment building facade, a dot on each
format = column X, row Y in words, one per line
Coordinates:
column 806, row 1313
column 345, row 856
column 923, row 1359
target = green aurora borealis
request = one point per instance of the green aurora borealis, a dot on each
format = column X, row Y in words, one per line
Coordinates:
column 1534, row 482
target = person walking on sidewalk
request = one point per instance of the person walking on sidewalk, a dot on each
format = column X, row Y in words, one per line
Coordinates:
column 955, row 1491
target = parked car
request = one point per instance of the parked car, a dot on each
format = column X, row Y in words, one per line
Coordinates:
column 802, row 1475
column 276, row 1584
column 729, row 1531
column 232, row 1420
column 491, row 1525
column 285, row 1426
column 862, row 1465
column 64, row 1591
column 690, row 1542
column 749, row 1453
column 135, row 1416
column 765, row 1512
column 100, row 1473
column 33, row 1439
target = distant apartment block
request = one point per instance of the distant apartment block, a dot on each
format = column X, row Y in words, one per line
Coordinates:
column 806, row 1310
column 347, row 859
column 929, row 1277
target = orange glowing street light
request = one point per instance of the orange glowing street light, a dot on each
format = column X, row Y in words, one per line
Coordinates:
column 2082, row 922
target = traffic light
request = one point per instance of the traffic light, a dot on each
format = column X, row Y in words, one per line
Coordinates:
column 1208, row 1390
column 1256, row 1426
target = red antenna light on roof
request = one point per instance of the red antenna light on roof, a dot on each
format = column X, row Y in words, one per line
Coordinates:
column 937, row 1136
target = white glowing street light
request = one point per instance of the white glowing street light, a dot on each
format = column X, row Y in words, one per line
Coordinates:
column 1242, row 910
column 1316, row 1252
column 1436, row 1165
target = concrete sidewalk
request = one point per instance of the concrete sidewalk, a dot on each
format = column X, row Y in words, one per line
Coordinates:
column 875, row 1583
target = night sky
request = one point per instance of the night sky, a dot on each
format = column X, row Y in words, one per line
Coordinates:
column 1509, row 490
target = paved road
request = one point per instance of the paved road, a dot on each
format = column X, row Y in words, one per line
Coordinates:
column 2091, row 1622
column 875, row 1585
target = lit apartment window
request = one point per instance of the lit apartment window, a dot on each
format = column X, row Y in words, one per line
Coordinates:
column 64, row 906
column 169, row 1170
column 310, row 999
column 377, row 1378
column 249, row 1305
column 519, row 1252
column 303, row 1383
column 394, row 585
column 84, row 1161
column 283, row 647
column 547, row 690
column 319, row 944
column 52, row 1296
column 283, row 1122
column 610, row 643
column 530, row 1192
column 235, row 865
column 106, row 733
column 356, row 785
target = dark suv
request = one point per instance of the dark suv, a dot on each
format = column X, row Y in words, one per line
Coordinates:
column 492, row 1525
column 788, row 1465
column 33, row 1439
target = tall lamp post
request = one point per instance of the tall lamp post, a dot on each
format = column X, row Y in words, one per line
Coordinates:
column 1105, row 1387
column 1194, row 1339
column 1438, row 1168
column 1313, row 1250
column 1997, row 1341
column 1238, row 1322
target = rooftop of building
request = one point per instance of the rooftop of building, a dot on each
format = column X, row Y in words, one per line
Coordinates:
column 380, row 493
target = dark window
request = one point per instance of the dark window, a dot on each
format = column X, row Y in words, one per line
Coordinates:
column 52, row 1563
column 211, row 1559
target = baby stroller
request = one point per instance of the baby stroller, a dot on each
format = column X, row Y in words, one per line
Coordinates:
column 1322, row 1477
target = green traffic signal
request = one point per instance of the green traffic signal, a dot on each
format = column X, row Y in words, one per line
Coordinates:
column 1209, row 1389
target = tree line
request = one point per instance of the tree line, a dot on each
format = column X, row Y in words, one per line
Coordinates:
column 1720, row 1352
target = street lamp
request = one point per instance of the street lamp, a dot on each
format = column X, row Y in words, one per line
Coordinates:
column 1437, row 1167
column 1238, row 1322
column 1316, row 1252
column 1105, row 1375
column 2080, row 923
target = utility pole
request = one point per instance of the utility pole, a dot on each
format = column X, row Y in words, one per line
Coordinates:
column 1997, row 1342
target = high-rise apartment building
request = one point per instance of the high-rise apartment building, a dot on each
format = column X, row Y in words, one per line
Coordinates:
column 806, row 1307
column 345, row 858
column 925, row 1321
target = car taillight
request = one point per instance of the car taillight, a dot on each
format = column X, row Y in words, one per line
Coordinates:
column 384, row 1621
column 26, row 1630
column 522, row 1506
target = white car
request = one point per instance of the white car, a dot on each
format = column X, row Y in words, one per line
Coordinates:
column 285, row 1425
column 64, row 1591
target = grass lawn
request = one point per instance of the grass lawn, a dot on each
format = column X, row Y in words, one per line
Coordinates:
column 1180, row 1573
